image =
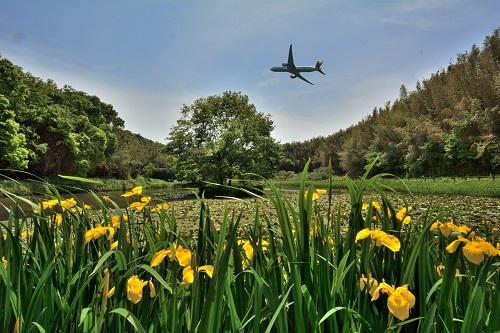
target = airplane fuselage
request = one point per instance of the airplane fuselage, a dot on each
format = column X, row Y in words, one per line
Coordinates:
column 294, row 70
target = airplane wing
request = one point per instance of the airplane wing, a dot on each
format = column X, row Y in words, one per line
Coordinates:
column 302, row 78
column 290, row 58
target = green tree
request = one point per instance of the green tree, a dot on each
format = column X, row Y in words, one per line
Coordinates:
column 13, row 151
column 223, row 136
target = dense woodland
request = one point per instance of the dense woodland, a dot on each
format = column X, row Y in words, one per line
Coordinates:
column 47, row 130
column 449, row 125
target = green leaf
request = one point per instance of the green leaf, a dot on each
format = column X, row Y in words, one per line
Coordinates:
column 131, row 319
column 81, row 179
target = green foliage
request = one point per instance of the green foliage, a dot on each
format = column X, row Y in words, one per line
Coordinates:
column 13, row 151
column 66, row 131
column 296, row 270
column 220, row 137
column 449, row 125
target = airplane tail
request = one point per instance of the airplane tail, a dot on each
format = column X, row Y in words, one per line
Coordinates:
column 318, row 67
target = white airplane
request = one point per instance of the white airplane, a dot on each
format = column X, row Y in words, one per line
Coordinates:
column 295, row 71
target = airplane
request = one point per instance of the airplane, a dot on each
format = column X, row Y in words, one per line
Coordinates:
column 295, row 71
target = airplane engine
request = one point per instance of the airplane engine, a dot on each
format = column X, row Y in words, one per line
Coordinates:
column 293, row 76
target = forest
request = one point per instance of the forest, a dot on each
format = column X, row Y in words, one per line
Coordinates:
column 47, row 130
column 448, row 126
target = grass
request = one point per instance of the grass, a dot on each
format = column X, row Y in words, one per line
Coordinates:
column 472, row 186
column 297, row 270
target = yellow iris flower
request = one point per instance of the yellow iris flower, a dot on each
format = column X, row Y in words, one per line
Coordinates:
column 370, row 281
column 135, row 191
column 446, row 228
column 139, row 205
column 160, row 207
column 400, row 299
column 188, row 273
column 183, row 256
column 152, row 289
column 316, row 194
column 474, row 251
column 403, row 215
column 248, row 248
column 160, row 255
column 98, row 232
column 134, row 289
column 380, row 238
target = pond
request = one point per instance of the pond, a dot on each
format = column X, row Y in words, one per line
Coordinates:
column 474, row 211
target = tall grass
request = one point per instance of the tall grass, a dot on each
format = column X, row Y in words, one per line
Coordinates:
column 298, row 272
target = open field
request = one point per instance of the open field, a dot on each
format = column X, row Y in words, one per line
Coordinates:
column 487, row 187
column 277, row 264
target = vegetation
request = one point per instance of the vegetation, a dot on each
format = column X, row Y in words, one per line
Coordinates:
column 449, row 125
column 48, row 130
column 488, row 187
column 380, row 269
column 221, row 137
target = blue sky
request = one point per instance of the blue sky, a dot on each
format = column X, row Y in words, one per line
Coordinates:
column 147, row 58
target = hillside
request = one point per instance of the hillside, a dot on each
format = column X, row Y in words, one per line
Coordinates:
column 47, row 130
column 449, row 125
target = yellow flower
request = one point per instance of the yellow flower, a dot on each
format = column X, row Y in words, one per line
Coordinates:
column 58, row 219
column 400, row 302
column 115, row 220
column 187, row 275
column 114, row 245
column 159, row 257
column 105, row 197
column 98, row 232
column 363, row 234
column 134, row 289
column 85, row 206
column 446, row 228
column 208, row 269
column 135, row 191
column 49, row 204
column 400, row 299
column 475, row 251
column 248, row 248
column 403, row 215
column 183, row 256
column 68, row 203
column 375, row 204
column 370, row 281
column 380, row 238
column 24, row 234
column 317, row 193
column 152, row 289
column 139, row 205
column 453, row 246
column 160, row 207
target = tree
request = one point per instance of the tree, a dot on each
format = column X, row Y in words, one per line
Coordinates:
column 223, row 136
column 13, row 153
